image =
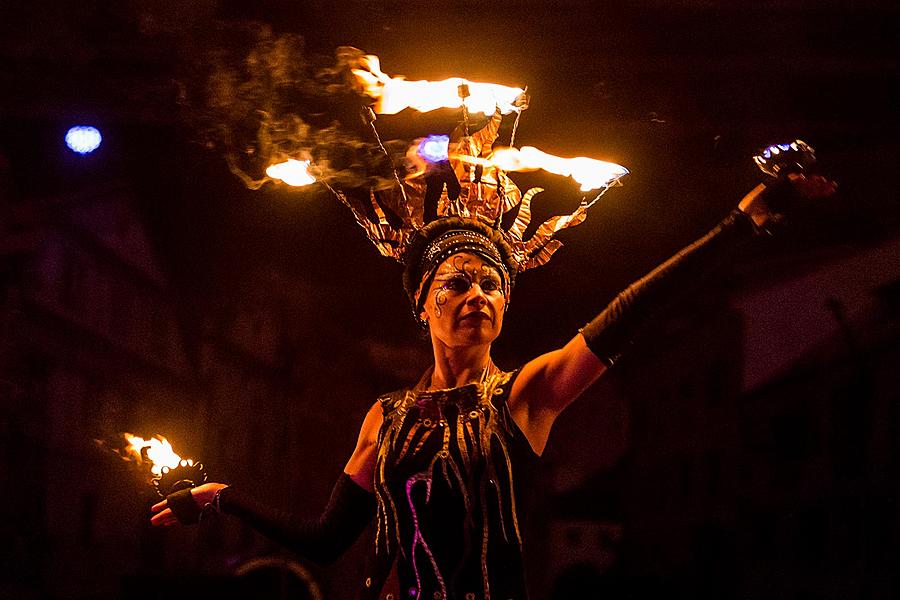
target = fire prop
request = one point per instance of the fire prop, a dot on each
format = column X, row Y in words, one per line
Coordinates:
column 171, row 473
column 459, row 174
column 295, row 173
column 393, row 94
column 592, row 174
column 780, row 159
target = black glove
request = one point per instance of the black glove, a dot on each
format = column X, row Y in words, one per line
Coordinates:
column 614, row 329
column 184, row 507
column 321, row 540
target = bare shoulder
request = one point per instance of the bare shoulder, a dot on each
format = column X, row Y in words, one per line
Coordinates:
column 361, row 466
column 547, row 385
column 372, row 423
column 554, row 380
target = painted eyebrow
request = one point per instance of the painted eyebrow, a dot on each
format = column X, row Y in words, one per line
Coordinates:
column 451, row 275
column 468, row 275
column 447, row 271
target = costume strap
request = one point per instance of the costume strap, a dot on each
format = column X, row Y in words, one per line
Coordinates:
column 391, row 402
column 499, row 387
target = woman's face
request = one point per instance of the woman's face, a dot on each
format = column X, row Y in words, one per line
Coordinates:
column 465, row 302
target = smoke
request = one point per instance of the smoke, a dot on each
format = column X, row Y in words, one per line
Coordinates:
column 256, row 97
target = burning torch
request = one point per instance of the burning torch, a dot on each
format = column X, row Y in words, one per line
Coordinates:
column 173, row 477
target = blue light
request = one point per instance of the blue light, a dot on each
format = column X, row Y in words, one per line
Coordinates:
column 434, row 148
column 83, row 139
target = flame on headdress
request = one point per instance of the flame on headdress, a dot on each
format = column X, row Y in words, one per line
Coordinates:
column 592, row 174
column 459, row 175
column 393, row 94
column 292, row 172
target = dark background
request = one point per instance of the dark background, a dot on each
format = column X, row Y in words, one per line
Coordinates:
column 745, row 452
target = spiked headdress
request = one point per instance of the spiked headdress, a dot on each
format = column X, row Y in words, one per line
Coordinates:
column 460, row 191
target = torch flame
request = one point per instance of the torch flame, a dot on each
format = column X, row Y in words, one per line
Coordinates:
column 292, row 172
column 393, row 94
column 158, row 451
column 592, row 174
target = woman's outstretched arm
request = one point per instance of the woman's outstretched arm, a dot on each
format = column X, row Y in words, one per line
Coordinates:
column 323, row 539
column 549, row 383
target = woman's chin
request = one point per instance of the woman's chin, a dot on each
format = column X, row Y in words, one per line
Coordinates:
column 477, row 336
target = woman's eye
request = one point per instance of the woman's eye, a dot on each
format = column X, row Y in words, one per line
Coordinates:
column 490, row 285
column 457, row 284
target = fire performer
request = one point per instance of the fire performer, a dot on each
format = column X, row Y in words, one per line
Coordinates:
column 443, row 467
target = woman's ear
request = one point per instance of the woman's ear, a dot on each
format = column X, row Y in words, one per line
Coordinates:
column 422, row 322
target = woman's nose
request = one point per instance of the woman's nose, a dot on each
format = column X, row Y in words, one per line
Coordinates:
column 476, row 296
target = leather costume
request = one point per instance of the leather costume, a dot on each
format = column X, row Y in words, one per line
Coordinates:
column 452, row 469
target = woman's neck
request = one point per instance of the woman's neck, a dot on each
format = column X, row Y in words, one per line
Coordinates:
column 455, row 367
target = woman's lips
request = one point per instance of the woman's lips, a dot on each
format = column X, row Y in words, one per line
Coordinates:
column 476, row 316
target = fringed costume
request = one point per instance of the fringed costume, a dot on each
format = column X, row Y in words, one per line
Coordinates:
column 451, row 473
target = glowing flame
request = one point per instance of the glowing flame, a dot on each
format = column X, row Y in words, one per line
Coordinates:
column 158, row 451
column 592, row 174
column 393, row 94
column 434, row 148
column 292, row 172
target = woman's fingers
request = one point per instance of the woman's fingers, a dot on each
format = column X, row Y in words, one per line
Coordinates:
column 202, row 495
column 814, row 187
column 164, row 518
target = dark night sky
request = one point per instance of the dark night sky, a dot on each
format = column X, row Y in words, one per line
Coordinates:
column 680, row 92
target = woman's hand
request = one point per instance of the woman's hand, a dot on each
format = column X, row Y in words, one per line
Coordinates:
column 202, row 495
column 757, row 204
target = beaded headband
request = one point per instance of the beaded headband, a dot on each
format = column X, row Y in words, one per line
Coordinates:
column 450, row 243
column 460, row 240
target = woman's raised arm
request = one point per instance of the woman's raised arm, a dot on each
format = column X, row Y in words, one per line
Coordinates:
column 549, row 383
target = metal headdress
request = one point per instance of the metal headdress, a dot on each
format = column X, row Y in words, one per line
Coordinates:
column 467, row 185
